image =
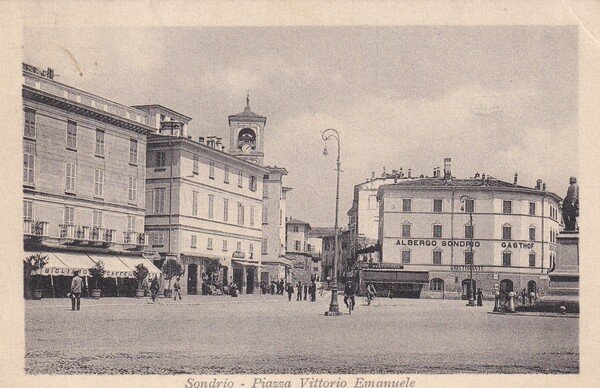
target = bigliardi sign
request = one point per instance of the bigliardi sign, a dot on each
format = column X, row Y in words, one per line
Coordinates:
column 459, row 243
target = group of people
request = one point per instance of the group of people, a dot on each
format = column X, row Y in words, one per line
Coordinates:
column 302, row 289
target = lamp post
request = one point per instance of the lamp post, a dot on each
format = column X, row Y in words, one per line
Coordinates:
column 463, row 200
column 334, row 308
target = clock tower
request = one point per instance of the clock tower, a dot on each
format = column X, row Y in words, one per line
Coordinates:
column 246, row 131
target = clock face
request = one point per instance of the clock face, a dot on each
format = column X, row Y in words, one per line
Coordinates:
column 246, row 148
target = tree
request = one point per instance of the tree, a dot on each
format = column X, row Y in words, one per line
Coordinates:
column 171, row 268
column 140, row 272
column 33, row 263
column 97, row 273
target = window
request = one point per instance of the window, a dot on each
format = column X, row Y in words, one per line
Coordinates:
column 196, row 164
column 71, row 135
column 297, row 246
column 327, row 245
column 28, row 210
column 239, row 246
column 469, row 257
column 532, row 208
column 437, row 285
column 437, row 205
column 133, row 151
column 469, row 231
column 97, row 221
column 158, row 201
column 193, row 241
column 296, row 229
column 437, row 231
column 251, row 215
column 159, row 239
column 226, row 174
column 506, row 233
column 507, row 207
column 130, row 223
column 251, row 248
column 532, row 259
column 406, row 205
column 225, row 210
column 194, row 203
column 98, row 183
column 469, row 206
column 211, row 202
column 506, row 259
column 240, row 213
column 405, row 257
column 99, row 142
column 406, row 230
column 211, row 169
column 532, row 233
column 265, row 191
column 69, row 218
column 132, row 190
column 161, row 159
column 70, row 183
column 209, row 244
column 263, row 247
column 437, row 257
column 265, row 214
column 240, row 177
column 29, row 123
column 224, row 245
column 253, row 183
column 28, row 162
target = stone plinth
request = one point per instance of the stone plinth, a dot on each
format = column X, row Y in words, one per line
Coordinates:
column 563, row 289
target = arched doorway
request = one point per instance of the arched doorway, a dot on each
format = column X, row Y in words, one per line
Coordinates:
column 466, row 288
column 532, row 287
column 249, row 280
column 192, row 280
column 506, row 286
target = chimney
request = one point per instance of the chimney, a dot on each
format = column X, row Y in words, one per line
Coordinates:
column 201, row 139
column 447, row 169
column 483, row 178
column 538, row 184
column 383, row 174
column 372, row 175
column 516, row 179
column 409, row 173
column 435, row 172
column 543, row 187
column 218, row 143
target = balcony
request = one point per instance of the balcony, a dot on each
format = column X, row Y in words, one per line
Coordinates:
column 35, row 228
column 135, row 238
column 67, row 231
column 82, row 233
column 109, row 235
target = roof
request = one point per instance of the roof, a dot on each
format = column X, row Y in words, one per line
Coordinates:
column 470, row 183
column 247, row 114
column 321, row 231
column 161, row 107
column 296, row 221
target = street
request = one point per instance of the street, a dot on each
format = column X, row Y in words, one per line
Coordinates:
column 268, row 334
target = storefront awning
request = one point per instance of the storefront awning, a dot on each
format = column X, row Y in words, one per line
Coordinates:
column 65, row 264
column 247, row 262
column 132, row 261
column 391, row 276
column 113, row 266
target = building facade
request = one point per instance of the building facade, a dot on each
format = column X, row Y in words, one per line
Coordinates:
column 433, row 231
column 204, row 209
column 83, row 182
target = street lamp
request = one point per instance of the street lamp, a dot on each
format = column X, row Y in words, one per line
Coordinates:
column 464, row 200
column 334, row 308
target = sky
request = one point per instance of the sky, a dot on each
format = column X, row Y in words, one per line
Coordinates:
column 494, row 99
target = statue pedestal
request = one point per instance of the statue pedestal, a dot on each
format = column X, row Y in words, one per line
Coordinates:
column 563, row 289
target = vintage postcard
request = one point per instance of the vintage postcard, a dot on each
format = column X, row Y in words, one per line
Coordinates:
column 303, row 194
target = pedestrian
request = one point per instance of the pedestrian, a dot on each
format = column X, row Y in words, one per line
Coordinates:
column 272, row 288
column 154, row 286
column 313, row 291
column 531, row 298
column 305, row 290
column 290, row 291
column 76, row 286
column 281, row 286
column 479, row 297
column 299, row 290
column 523, row 296
column 177, row 289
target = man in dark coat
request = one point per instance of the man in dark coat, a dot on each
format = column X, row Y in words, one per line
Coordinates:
column 290, row 291
column 154, row 287
column 281, row 287
column 313, row 291
column 305, row 290
column 299, row 290
column 479, row 297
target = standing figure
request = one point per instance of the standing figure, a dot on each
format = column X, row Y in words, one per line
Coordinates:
column 272, row 288
column 299, row 290
column 177, row 289
column 154, row 286
column 290, row 291
column 570, row 207
column 479, row 297
column 523, row 296
column 76, row 286
column 281, row 286
column 313, row 291
column 305, row 290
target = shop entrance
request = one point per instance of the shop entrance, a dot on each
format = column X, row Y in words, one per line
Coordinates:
column 466, row 288
column 225, row 276
column 238, row 278
column 192, row 280
column 506, row 286
column 250, row 280
column 532, row 287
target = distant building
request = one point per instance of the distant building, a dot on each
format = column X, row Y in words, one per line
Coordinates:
column 83, row 183
column 425, row 237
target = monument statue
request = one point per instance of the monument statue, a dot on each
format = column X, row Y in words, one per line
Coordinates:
column 570, row 207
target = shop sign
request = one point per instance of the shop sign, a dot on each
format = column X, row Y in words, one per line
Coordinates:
column 61, row 271
column 238, row 255
column 517, row 245
column 467, row 267
column 385, row 266
column 435, row 243
column 118, row 274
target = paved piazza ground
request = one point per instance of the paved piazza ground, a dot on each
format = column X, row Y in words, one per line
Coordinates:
column 268, row 334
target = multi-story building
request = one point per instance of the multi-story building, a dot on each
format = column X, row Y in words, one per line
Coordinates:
column 204, row 204
column 83, row 182
column 276, row 265
column 434, row 231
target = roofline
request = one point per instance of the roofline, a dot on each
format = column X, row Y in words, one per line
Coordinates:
column 259, row 119
column 163, row 107
column 282, row 170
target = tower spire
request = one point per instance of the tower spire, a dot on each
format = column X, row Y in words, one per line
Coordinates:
column 248, row 99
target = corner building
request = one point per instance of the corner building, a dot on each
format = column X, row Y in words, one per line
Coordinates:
column 425, row 234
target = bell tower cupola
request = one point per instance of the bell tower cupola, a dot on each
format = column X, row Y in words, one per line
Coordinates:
column 247, row 134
